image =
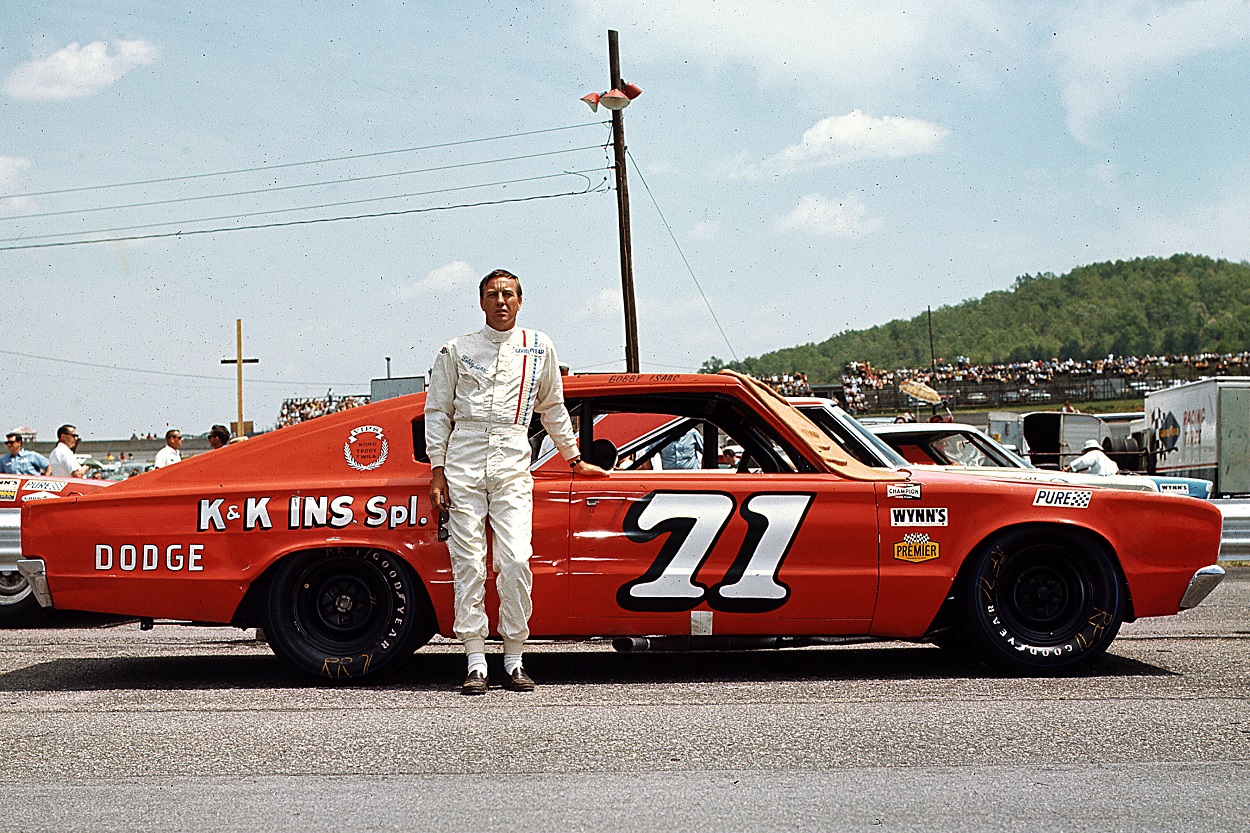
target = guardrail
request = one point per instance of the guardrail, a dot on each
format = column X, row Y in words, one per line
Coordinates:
column 1235, row 540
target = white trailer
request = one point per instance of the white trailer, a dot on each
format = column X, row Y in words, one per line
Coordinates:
column 1201, row 429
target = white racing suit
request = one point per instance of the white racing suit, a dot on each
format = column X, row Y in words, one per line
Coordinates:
column 484, row 389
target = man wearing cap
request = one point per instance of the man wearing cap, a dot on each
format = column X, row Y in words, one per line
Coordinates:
column 1093, row 460
column 484, row 388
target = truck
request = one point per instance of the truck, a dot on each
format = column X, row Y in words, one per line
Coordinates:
column 1048, row 439
column 1200, row 429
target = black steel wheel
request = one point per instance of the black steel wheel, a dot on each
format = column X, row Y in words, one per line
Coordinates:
column 346, row 616
column 1041, row 600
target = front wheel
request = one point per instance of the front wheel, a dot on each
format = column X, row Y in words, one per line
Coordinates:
column 1041, row 601
column 346, row 616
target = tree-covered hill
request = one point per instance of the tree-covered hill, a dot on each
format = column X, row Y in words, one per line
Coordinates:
column 1148, row 306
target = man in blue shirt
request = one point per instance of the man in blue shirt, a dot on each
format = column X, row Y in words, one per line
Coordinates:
column 685, row 452
column 21, row 462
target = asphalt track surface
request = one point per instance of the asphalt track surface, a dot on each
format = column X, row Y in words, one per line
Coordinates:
column 199, row 729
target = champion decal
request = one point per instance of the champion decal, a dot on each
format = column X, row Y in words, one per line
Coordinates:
column 903, row 491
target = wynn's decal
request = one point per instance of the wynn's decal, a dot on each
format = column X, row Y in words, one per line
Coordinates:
column 1069, row 498
column 173, row 558
column 306, row 512
column 905, row 491
column 693, row 522
column 1174, row 488
column 916, row 547
column 366, row 448
column 920, row 516
column 8, row 488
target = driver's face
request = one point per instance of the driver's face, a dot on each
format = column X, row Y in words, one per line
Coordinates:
column 501, row 302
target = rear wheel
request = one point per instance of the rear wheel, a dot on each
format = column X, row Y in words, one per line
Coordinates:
column 346, row 616
column 1041, row 601
column 18, row 606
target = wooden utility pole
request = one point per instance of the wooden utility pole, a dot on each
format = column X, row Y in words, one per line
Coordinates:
column 622, row 213
column 239, row 361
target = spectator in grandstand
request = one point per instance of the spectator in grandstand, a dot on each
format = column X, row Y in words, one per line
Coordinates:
column 17, row 461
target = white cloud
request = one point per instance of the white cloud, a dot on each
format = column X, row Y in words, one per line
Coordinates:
column 705, row 230
column 77, row 71
column 839, row 139
column 847, row 45
column 449, row 277
column 1104, row 48
column 817, row 215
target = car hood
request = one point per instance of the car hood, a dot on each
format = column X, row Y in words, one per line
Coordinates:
column 1126, row 482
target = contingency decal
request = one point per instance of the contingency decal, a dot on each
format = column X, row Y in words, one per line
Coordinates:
column 916, row 547
column 905, row 491
column 693, row 522
column 1174, row 488
column 36, row 496
column 920, row 516
column 8, row 488
column 366, row 448
column 45, row 485
column 1069, row 498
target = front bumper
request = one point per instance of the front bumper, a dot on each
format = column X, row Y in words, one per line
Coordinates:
column 37, row 576
column 1203, row 582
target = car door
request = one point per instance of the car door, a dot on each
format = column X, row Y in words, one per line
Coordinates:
column 716, row 550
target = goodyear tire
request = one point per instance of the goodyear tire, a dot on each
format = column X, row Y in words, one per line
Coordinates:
column 346, row 616
column 1041, row 601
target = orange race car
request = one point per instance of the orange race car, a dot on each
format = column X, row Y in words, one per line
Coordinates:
column 322, row 534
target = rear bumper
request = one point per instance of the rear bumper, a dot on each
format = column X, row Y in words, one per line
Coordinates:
column 1203, row 582
column 37, row 576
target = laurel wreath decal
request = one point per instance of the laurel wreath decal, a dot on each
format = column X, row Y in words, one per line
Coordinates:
column 347, row 448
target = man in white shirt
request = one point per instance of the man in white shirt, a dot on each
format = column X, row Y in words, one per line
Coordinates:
column 1093, row 460
column 62, row 462
column 484, row 388
column 171, row 453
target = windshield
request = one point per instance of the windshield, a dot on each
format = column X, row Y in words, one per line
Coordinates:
column 855, row 438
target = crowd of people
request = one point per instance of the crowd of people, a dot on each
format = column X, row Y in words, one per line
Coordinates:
column 963, row 372
column 787, row 384
column 301, row 409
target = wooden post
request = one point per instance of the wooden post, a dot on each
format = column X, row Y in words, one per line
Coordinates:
column 622, row 213
column 239, row 361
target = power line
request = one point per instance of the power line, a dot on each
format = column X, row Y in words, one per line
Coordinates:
column 707, row 303
column 167, row 372
column 276, row 188
column 587, row 190
column 186, row 177
column 340, row 204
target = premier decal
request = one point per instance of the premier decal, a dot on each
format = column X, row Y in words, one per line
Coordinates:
column 1066, row 498
column 920, row 516
column 366, row 448
column 45, row 485
column 903, row 491
column 8, row 488
column 693, row 522
column 916, row 547
column 173, row 558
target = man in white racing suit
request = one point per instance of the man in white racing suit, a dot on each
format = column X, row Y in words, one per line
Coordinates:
column 484, row 389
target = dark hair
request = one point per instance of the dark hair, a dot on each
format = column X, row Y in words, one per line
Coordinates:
column 221, row 432
column 64, row 429
column 498, row 273
column 13, row 435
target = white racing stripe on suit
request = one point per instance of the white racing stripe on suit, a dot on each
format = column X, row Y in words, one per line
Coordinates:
column 484, row 388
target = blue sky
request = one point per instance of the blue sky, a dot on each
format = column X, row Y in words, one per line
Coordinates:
column 822, row 165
